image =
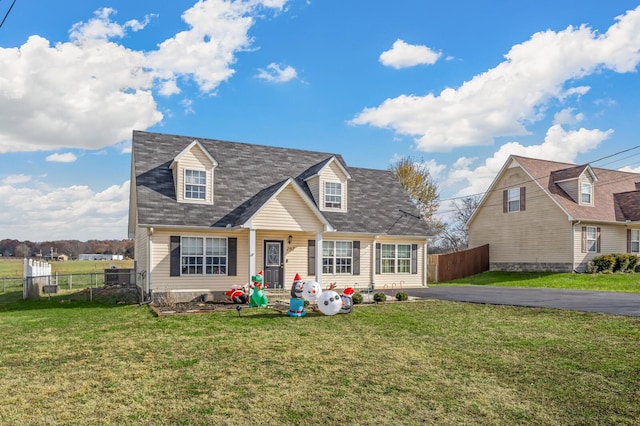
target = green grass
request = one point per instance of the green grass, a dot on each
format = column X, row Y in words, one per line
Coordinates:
column 601, row 282
column 12, row 267
column 428, row 362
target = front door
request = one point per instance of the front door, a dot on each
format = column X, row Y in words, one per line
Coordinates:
column 273, row 264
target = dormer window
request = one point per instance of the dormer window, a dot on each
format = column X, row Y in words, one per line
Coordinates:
column 333, row 195
column 195, row 184
column 586, row 190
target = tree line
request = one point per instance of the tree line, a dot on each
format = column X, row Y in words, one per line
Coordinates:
column 71, row 248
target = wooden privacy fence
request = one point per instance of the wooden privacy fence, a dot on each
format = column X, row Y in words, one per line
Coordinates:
column 460, row 264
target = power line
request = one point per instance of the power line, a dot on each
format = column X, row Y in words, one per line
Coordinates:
column 7, row 14
column 451, row 210
column 541, row 177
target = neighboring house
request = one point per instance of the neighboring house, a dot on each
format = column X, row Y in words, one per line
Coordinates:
column 207, row 214
column 100, row 256
column 543, row 215
column 56, row 256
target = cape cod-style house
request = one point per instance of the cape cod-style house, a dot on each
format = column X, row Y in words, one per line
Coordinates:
column 208, row 214
column 541, row 215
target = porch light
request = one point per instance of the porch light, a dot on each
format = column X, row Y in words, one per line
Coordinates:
column 289, row 239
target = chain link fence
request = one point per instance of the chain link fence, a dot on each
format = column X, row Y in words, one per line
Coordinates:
column 113, row 283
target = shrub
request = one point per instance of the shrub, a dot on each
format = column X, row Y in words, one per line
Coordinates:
column 379, row 297
column 621, row 262
column 603, row 263
column 357, row 298
column 608, row 263
column 402, row 296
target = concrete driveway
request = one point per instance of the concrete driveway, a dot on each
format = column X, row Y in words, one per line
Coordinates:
column 576, row 300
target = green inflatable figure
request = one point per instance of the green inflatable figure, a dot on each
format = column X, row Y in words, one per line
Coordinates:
column 258, row 298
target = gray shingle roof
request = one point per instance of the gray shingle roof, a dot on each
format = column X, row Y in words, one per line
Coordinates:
column 248, row 175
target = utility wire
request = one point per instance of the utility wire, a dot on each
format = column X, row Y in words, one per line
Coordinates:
column 541, row 177
column 7, row 14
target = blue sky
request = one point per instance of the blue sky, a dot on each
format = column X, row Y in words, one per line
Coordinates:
column 459, row 85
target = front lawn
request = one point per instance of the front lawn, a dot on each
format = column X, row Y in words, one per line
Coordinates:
column 629, row 282
column 427, row 362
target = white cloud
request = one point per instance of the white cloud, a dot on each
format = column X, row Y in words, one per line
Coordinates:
column 16, row 179
column 559, row 145
column 503, row 100
column 218, row 29
column 81, row 95
column 74, row 212
column 403, row 55
column 90, row 92
column 187, row 104
column 67, row 157
column 276, row 74
column 567, row 116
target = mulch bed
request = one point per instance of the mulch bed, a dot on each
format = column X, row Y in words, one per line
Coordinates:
column 208, row 307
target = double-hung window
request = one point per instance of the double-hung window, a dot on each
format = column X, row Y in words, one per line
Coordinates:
column 585, row 193
column 204, row 256
column 333, row 195
column 195, row 184
column 635, row 241
column 513, row 200
column 395, row 258
column 592, row 239
column 337, row 257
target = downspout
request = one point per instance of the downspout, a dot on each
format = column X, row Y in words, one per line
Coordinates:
column 425, row 263
column 149, row 262
column 573, row 244
column 373, row 263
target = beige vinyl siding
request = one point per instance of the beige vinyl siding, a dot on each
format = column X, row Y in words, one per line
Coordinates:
column 162, row 281
column 314, row 186
column 296, row 258
column 333, row 173
column 396, row 281
column 195, row 159
column 539, row 234
column 613, row 239
column 287, row 211
column 361, row 281
column 572, row 188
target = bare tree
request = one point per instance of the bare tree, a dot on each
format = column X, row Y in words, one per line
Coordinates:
column 417, row 181
column 455, row 235
column 22, row 250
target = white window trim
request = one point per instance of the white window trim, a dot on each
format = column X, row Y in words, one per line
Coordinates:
column 594, row 239
column 203, row 257
column 635, row 238
column 396, row 259
column 584, row 185
column 334, row 257
column 206, row 189
column 513, row 199
column 326, row 194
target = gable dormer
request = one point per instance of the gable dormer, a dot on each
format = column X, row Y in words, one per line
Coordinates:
column 578, row 182
column 193, row 175
column 328, row 182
